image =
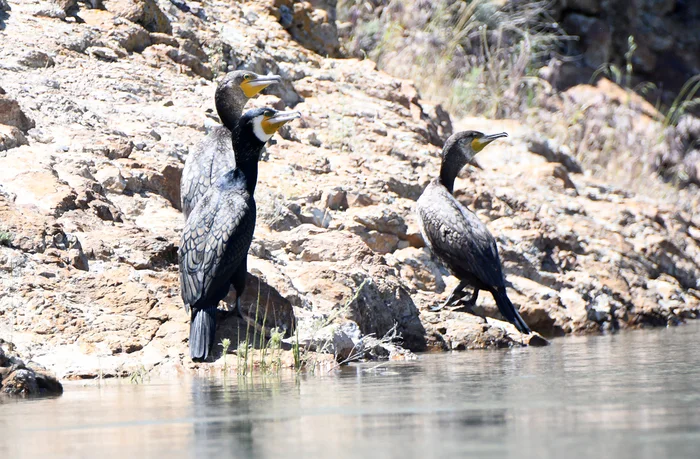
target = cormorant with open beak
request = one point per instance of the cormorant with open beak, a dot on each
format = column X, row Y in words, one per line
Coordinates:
column 456, row 235
column 215, row 154
column 218, row 233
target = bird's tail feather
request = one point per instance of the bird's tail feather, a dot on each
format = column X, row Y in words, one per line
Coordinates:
column 202, row 331
column 508, row 311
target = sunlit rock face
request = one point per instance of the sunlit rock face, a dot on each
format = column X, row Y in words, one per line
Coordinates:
column 90, row 220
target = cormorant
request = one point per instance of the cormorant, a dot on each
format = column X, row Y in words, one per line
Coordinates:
column 456, row 235
column 217, row 235
column 215, row 154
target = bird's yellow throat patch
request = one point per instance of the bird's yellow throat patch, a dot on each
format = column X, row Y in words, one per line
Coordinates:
column 478, row 145
column 270, row 127
column 251, row 87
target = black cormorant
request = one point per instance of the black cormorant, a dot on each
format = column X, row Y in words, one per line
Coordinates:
column 456, row 235
column 215, row 241
column 215, row 154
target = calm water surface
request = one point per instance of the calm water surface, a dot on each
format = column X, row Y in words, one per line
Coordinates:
column 630, row 395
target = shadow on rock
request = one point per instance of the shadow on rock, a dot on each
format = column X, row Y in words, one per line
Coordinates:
column 380, row 303
column 4, row 8
column 263, row 308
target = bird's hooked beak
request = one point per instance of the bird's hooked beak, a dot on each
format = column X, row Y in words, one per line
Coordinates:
column 479, row 143
column 272, row 124
column 252, row 87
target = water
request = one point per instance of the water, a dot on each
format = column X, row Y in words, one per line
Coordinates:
column 630, row 395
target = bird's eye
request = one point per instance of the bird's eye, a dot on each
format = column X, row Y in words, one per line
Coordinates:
column 269, row 113
column 247, row 77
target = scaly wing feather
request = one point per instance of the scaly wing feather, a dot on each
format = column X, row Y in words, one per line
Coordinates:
column 459, row 238
column 204, row 241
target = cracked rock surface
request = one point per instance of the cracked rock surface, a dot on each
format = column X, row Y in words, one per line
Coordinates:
column 103, row 112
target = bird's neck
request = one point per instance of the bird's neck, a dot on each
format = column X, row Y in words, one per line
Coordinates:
column 229, row 110
column 247, row 148
column 250, row 170
column 452, row 163
column 246, row 145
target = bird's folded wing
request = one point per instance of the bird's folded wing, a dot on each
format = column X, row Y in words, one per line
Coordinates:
column 196, row 176
column 459, row 238
column 203, row 243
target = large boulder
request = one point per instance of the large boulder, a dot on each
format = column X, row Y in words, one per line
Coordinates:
column 12, row 115
column 11, row 137
column 312, row 24
column 18, row 378
column 144, row 12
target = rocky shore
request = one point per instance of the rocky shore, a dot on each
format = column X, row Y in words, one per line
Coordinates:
column 99, row 108
column 19, row 378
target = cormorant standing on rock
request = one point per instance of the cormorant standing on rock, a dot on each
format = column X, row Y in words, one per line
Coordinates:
column 216, row 238
column 215, row 154
column 456, row 235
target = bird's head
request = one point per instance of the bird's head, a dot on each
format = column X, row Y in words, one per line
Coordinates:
column 249, row 82
column 469, row 143
column 264, row 122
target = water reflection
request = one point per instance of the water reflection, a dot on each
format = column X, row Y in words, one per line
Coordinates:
column 631, row 395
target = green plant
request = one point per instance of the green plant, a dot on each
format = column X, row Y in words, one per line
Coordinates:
column 307, row 357
column 243, row 353
column 225, row 344
column 248, row 357
column 138, row 375
column 478, row 54
column 274, row 348
column 369, row 341
column 6, row 238
column 631, row 48
column 684, row 101
column 295, row 352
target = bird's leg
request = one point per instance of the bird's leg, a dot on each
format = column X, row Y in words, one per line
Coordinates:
column 239, row 308
column 468, row 305
column 238, row 282
column 456, row 295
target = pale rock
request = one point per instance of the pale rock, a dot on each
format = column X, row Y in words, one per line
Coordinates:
column 380, row 242
column 131, row 37
column 316, row 216
column 11, row 137
column 36, row 60
column 49, row 10
column 382, row 219
column 418, row 269
column 335, row 199
column 144, row 12
column 111, row 178
column 103, row 53
column 336, row 339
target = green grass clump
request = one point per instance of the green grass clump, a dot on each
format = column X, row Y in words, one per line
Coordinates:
column 139, row 375
column 485, row 57
column 6, row 238
column 477, row 56
column 225, row 344
column 267, row 356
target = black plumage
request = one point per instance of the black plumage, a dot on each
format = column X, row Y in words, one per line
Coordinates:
column 219, row 230
column 213, row 253
column 215, row 154
column 456, row 235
